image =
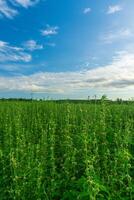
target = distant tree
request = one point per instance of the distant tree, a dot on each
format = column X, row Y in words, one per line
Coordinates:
column 119, row 100
column 104, row 97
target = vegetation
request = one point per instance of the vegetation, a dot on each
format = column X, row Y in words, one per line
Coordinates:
column 66, row 151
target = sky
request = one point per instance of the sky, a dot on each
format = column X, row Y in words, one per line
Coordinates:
column 66, row 48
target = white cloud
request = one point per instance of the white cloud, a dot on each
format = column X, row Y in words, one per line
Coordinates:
column 26, row 3
column 50, row 44
column 32, row 45
column 113, row 9
column 87, row 10
column 113, row 36
column 10, row 10
column 50, row 30
column 118, row 75
column 6, row 10
column 13, row 53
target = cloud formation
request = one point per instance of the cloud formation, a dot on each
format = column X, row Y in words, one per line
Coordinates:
column 113, row 36
column 6, row 10
column 13, row 53
column 32, row 45
column 114, row 9
column 26, row 3
column 50, row 30
column 117, row 75
column 87, row 10
column 10, row 10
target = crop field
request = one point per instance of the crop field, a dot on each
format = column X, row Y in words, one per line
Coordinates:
column 66, row 151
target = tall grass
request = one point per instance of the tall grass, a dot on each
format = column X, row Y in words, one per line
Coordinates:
column 66, row 151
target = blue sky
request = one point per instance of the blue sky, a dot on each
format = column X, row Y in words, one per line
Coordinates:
column 66, row 49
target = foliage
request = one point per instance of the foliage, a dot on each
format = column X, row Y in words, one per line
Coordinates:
column 66, row 151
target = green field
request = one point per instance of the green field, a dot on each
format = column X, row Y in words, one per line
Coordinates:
column 66, row 151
